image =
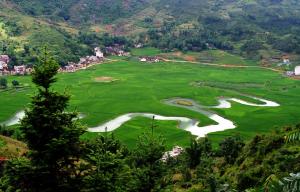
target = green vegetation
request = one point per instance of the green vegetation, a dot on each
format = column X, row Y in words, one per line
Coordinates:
column 149, row 51
column 3, row 83
column 225, row 49
column 15, row 83
column 133, row 129
column 243, row 28
column 51, row 135
column 2, row 143
column 59, row 161
column 141, row 88
column 68, row 10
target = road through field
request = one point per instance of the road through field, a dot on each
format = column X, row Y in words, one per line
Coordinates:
column 222, row 65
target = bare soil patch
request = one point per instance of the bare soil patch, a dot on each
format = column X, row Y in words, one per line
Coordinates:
column 105, row 79
column 185, row 103
column 12, row 148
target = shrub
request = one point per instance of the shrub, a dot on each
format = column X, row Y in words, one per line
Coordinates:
column 3, row 83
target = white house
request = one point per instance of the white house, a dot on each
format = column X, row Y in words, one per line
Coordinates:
column 98, row 52
column 2, row 65
column 297, row 70
column 20, row 69
column 143, row 59
column 138, row 45
column 5, row 58
column 286, row 61
column 176, row 151
column 70, row 68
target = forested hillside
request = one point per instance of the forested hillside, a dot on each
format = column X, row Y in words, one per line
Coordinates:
column 81, row 11
column 149, row 95
column 258, row 29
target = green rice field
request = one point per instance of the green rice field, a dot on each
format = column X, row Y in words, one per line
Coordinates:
column 141, row 87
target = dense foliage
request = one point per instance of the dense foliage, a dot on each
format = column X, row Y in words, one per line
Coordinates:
column 59, row 161
column 242, row 27
column 52, row 137
column 90, row 11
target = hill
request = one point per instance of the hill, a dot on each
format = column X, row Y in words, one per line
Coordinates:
column 241, row 27
column 11, row 148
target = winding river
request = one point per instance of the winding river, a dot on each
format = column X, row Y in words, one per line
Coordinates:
column 185, row 123
column 21, row 114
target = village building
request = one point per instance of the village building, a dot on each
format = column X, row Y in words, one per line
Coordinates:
column 70, row 68
column 151, row 59
column 143, row 59
column 116, row 50
column 176, row 151
column 275, row 59
column 4, row 58
column 84, row 62
column 20, row 70
column 286, row 60
column 138, row 45
column 297, row 70
column 98, row 52
column 290, row 73
column 29, row 70
column 283, row 60
column 2, row 65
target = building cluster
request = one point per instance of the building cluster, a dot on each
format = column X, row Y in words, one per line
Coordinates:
column 22, row 70
column 296, row 72
column 281, row 60
column 84, row 62
column 176, row 151
column 138, row 45
column 150, row 59
column 17, row 70
column 4, row 60
column 116, row 50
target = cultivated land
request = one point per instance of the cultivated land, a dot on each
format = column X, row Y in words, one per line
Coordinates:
column 141, row 87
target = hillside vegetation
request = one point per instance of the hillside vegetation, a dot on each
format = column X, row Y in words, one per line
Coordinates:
column 58, row 160
column 10, row 148
column 241, row 27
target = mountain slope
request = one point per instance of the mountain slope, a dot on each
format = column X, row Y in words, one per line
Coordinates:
column 244, row 27
column 81, row 11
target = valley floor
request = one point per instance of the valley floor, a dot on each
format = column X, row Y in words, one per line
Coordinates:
column 141, row 88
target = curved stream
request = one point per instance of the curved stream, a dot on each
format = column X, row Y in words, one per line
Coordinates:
column 21, row 114
column 185, row 123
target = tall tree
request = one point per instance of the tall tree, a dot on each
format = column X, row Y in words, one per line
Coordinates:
column 108, row 170
column 147, row 161
column 51, row 135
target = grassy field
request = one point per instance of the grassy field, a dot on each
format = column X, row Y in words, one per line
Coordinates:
column 142, row 86
column 211, row 56
column 149, row 51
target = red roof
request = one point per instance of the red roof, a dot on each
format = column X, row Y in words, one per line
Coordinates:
column 3, row 159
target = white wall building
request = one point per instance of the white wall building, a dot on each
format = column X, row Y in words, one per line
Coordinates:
column 98, row 52
column 286, row 61
column 2, row 65
column 20, row 69
column 297, row 70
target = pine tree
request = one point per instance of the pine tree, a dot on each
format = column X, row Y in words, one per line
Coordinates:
column 146, row 159
column 51, row 135
column 108, row 169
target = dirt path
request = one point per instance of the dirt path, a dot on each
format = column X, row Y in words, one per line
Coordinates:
column 223, row 65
